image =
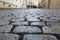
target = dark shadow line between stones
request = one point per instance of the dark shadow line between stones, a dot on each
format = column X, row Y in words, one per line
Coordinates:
column 13, row 28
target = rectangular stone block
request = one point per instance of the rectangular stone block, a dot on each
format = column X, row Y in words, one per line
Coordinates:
column 18, row 19
column 44, row 19
column 33, row 19
column 54, row 24
column 27, row 29
column 51, row 30
column 38, row 23
column 49, row 20
column 5, row 36
column 20, row 23
column 1, row 14
column 39, row 37
column 53, row 18
column 4, row 22
column 5, row 28
column 7, row 18
column 58, row 18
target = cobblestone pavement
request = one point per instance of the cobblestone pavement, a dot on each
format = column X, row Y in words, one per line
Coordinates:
column 29, row 24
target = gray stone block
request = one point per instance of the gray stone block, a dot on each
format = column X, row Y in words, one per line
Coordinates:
column 47, row 29
column 26, row 29
column 44, row 19
column 3, row 22
column 39, row 37
column 5, row 36
column 6, row 28
column 7, row 18
column 53, row 18
column 38, row 23
column 51, row 30
column 58, row 18
column 2, row 14
column 20, row 23
column 33, row 19
column 8, row 14
column 18, row 19
column 54, row 24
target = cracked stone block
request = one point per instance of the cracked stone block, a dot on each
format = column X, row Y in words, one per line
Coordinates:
column 6, row 36
column 38, row 23
column 6, row 28
column 27, row 29
column 39, row 37
column 20, row 23
column 51, row 30
column 4, row 22
column 18, row 19
column 33, row 19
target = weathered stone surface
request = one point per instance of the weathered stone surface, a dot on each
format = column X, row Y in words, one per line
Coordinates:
column 44, row 19
column 5, row 28
column 20, row 23
column 39, row 37
column 7, row 18
column 53, row 17
column 32, row 19
column 38, row 23
column 27, row 29
column 54, row 24
column 58, row 18
column 4, row 22
column 51, row 30
column 18, row 19
column 18, row 16
column 46, row 29
column 5, row 36
column 2, row 14
column 50, row 20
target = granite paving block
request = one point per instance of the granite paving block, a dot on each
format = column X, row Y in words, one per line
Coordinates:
column 8, row 14
column 54, row 24
column 20, row 23
column 38, row 23
column 27, row 29
column 58, row 18
column 4, row 22
column 6, row 28
column 33, row 19
column 46, row 29
column 7, row 18
column 39, row 37
column 18, row 19
column 51, row 30
column 2, row 14
column 6, row 36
